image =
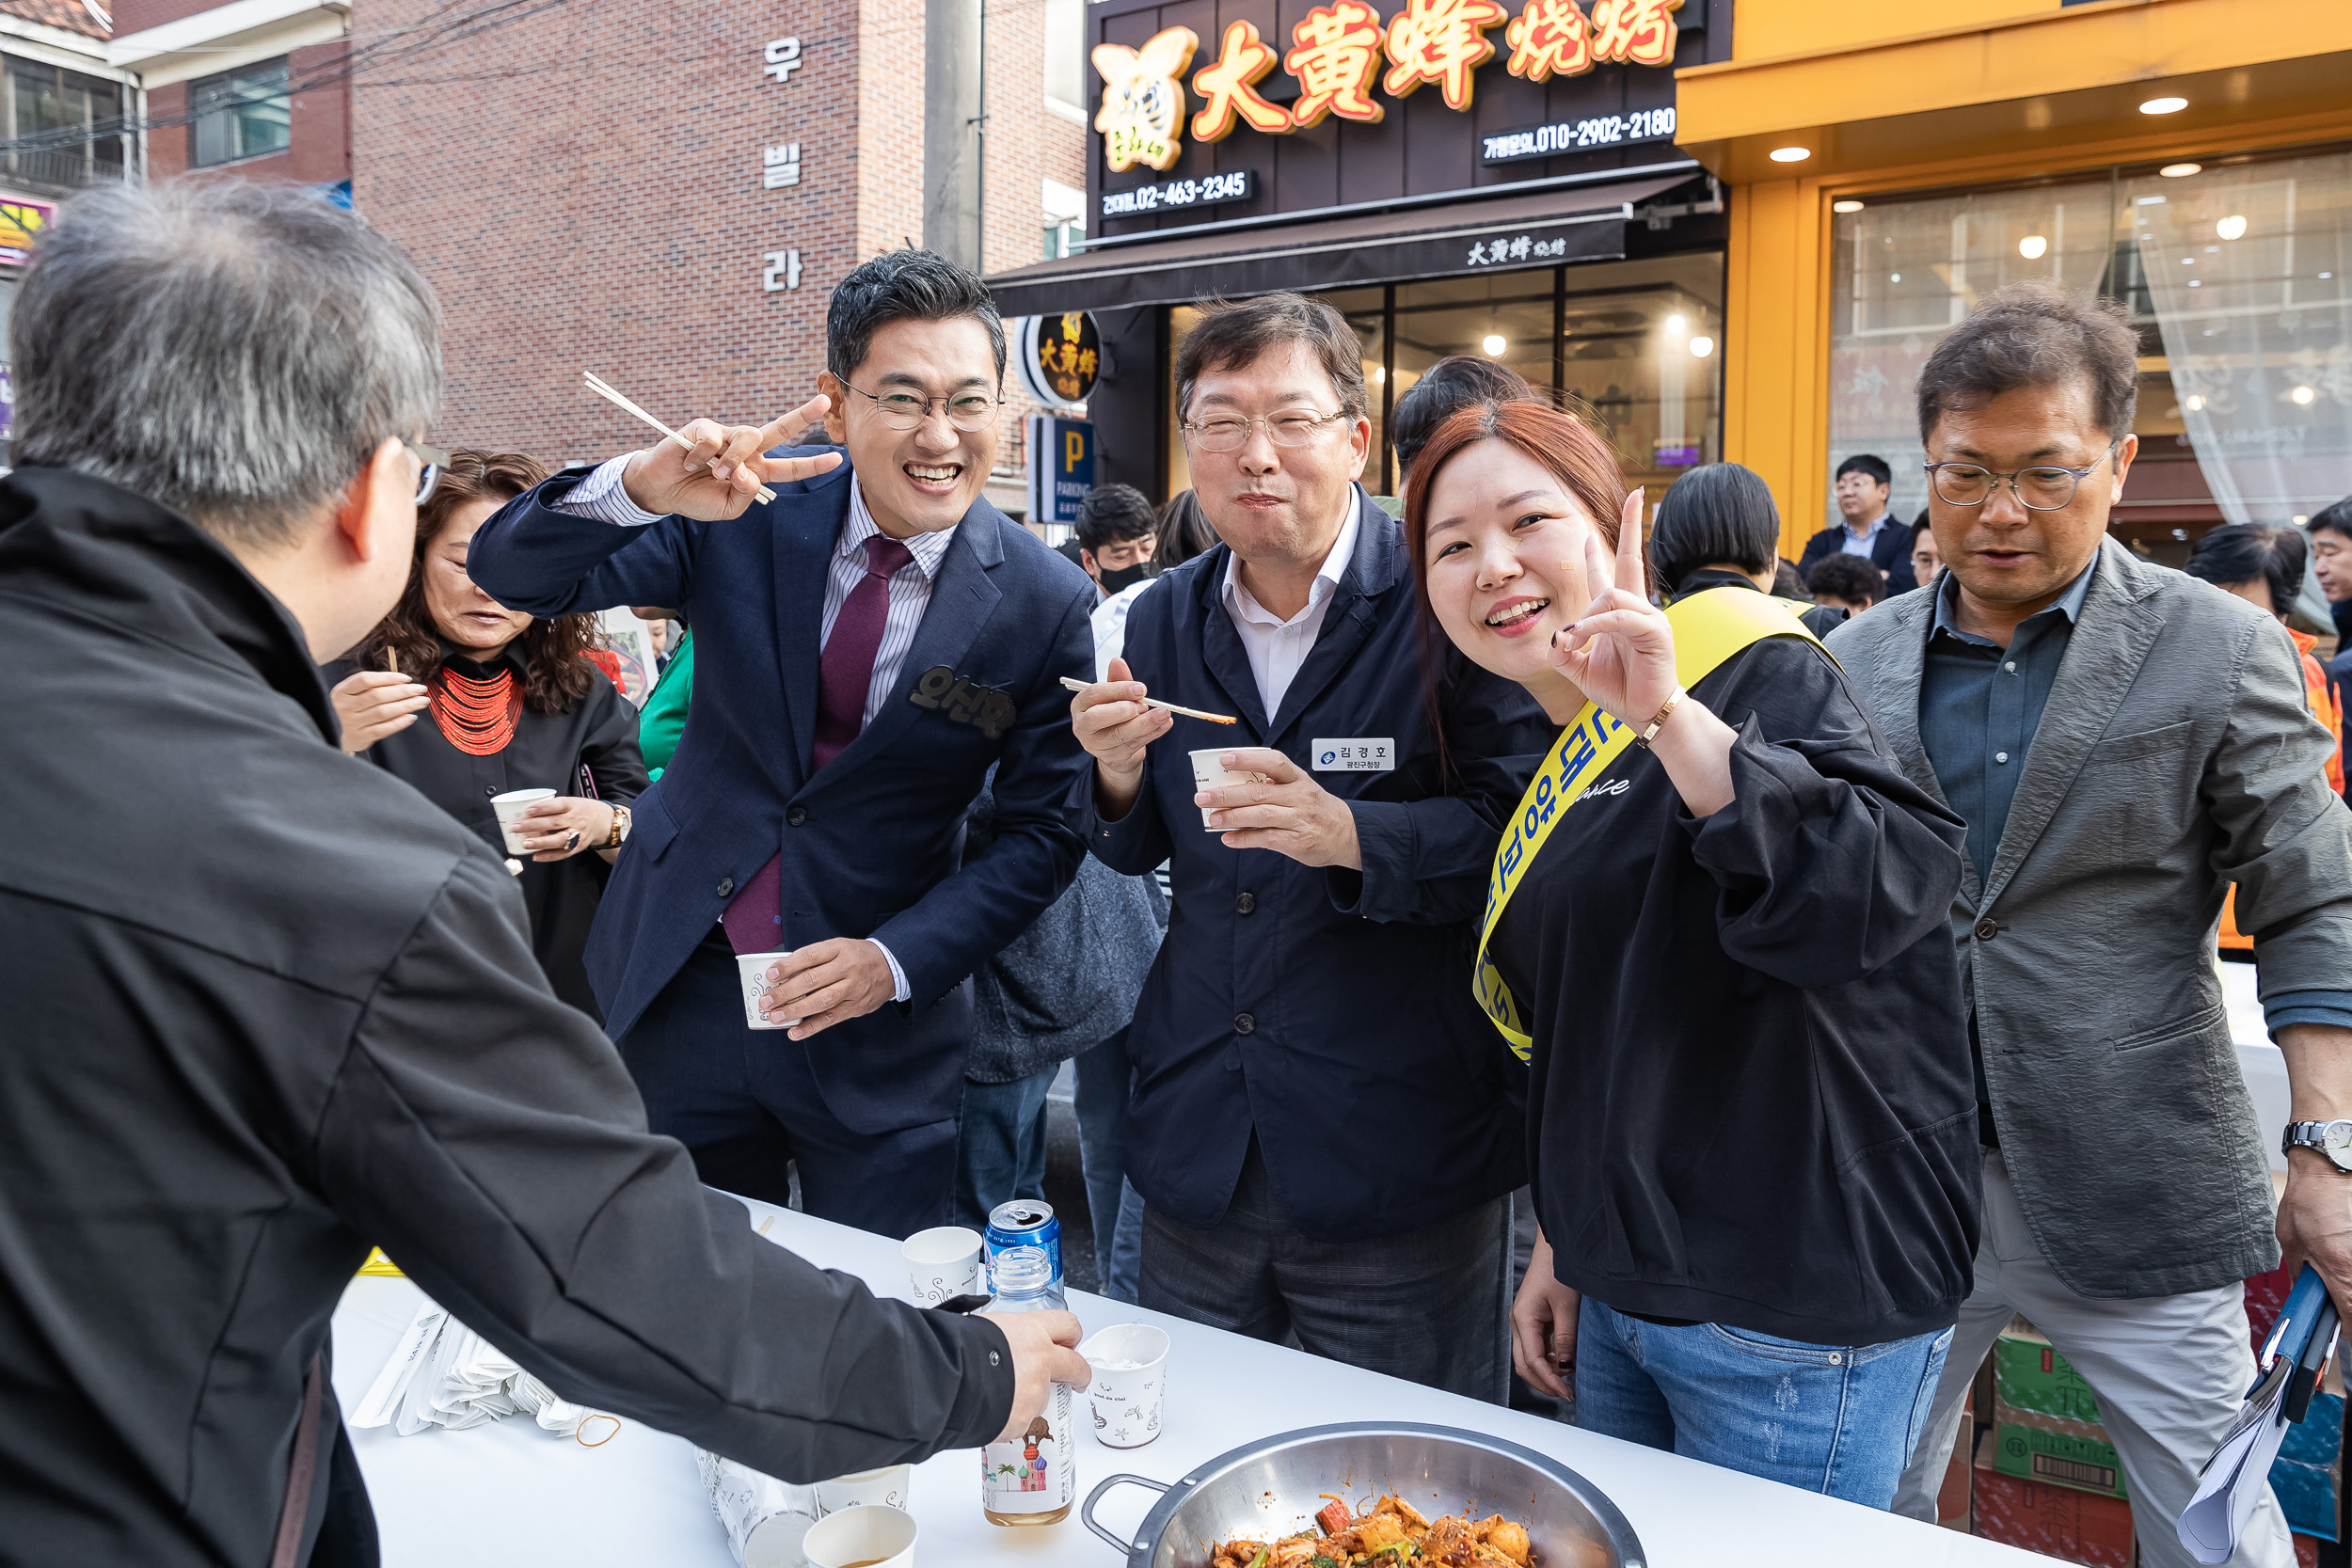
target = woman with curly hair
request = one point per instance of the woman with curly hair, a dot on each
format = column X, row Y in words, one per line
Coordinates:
column 467, row 700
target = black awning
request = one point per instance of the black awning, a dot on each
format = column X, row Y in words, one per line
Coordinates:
column 1579, row 224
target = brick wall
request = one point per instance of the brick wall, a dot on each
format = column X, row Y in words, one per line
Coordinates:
column 318, row 133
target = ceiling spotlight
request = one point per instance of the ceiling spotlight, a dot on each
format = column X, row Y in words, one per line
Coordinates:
column 1848, row 205
column 2164, row 105
column 1675, row 323
column 1790, row 154
column 1702, row 347
column 2231, row 227
column 1494, row 342
column 2032, row 247
column 2181, row 171
column 2196, row 402
column 1894, row 278
column 2302, row 396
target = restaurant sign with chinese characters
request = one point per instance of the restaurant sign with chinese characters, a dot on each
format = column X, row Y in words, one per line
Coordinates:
column 1345, row 51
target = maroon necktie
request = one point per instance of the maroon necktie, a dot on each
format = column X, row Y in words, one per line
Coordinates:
column 754, row 920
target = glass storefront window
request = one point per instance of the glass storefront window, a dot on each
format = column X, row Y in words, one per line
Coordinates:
column 2235, row 276
column 1630, row 343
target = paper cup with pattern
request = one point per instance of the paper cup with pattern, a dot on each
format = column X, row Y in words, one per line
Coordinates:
column 887, row 1487
column 943, row 1262
column 510, row 808
column 1130, row 1386
column 1208, row 773
column 752, row 968
column 765, row 1518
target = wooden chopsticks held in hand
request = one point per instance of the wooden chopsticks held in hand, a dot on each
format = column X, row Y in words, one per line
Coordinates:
column 1076, row 685
column 597, row 384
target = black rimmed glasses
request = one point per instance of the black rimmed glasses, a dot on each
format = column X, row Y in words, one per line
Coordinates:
column 431, row 460
column 969, row 412
column 1285, row 427
column 2044, row 487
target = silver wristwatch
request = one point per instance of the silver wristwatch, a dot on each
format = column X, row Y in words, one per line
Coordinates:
column 2331, row 1138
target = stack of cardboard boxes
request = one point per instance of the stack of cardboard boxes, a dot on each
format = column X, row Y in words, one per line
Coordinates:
column 2034, row 1467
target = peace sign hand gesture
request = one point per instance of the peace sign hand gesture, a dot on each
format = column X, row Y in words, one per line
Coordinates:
column 1620, row 651
column 719, row 470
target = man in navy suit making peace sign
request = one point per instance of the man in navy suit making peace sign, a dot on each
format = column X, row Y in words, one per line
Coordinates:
column 867, row 645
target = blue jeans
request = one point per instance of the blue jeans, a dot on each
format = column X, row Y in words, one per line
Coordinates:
column 1834, row 1418
column 1105, row 1084
column 1000, row 1145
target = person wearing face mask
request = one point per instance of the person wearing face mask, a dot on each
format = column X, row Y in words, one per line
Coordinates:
column 1716, row 928
column 464, row 699
column 869, row 645
column 1119, row 536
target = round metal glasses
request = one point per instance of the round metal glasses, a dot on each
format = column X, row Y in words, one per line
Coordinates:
column 1287, row 427
column 2043, row 487
column 969, row 412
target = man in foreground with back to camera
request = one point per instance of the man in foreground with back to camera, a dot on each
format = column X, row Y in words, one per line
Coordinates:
column 1326, row 1128
column 267, row 1006
column 2124, row 742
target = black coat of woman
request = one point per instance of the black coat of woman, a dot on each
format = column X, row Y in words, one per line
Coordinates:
column 465, row 699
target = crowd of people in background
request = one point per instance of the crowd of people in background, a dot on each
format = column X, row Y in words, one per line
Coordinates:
column 1596, row 963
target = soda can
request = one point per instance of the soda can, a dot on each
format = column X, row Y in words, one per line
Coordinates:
column 1025, row 1222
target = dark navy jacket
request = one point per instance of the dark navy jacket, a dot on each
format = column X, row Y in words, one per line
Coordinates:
column 1327, row 1009
column 871, row 845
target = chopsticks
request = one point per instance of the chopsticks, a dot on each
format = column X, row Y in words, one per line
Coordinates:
column 597, row 384
column 1076, row 685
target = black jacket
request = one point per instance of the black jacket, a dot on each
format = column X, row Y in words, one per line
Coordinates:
column 1751, row 1101
column 268, row 1005
column 1890, row 552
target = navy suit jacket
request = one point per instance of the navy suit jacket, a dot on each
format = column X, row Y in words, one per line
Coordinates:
column 871, row 844
column 1890, row 552
column 1327, row 1011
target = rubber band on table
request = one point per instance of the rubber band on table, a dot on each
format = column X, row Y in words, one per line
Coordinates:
column 596, row 1415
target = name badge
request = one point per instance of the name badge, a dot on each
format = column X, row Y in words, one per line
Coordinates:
column 1377, row 754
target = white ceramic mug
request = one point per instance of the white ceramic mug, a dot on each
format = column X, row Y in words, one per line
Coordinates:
column 1208, row 773
column 887, row 1487
column 943, row 1262
column 1130, row 1384
column 510, row 808
column 752, row 968
column 865, row 1536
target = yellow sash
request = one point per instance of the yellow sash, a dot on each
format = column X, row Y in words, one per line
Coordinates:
column 1708, row 630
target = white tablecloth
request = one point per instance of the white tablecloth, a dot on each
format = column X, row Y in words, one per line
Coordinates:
column 509, row 1494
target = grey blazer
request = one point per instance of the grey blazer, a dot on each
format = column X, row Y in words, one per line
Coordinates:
column 2176, row 755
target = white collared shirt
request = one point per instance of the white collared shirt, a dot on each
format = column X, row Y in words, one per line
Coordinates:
column 1848, row 544
column 1277, row 648
column 602, row 496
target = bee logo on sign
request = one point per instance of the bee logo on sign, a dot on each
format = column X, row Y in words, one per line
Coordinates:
column 1061, row 357
column 1143, row 99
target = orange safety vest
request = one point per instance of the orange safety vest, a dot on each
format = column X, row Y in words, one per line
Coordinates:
column 2324, row 705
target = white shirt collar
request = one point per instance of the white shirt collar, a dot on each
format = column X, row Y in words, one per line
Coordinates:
column 929, row 549
column 1240, row 602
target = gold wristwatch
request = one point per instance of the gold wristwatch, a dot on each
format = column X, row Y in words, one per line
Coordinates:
column 620, row 828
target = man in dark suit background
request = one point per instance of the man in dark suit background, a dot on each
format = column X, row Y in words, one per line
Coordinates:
column 1867, row 527
column 1325, row 1128
column 866, row 645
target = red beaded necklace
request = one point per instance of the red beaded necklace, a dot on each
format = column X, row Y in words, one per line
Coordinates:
column 477, row 716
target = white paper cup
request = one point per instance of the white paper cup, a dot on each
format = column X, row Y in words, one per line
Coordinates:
column 943, row 1262
column 1130, row 1384
column 765, row 1518
column 510, row 807
column 1208, row 773
column 752, row 968
column 887, row 1487
column 864, row 1535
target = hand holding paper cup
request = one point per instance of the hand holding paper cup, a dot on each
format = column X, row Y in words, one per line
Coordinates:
column 510, row 808
column 1209, row 772
column 1130, row 1384
column 943, row 1262
column 752, row 968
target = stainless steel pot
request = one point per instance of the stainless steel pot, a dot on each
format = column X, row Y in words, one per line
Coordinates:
column 1270, row 1489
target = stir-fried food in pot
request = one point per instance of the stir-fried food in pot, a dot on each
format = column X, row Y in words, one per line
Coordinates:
column 1392, row 1533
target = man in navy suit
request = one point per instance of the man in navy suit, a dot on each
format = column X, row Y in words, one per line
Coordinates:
column 1325, row 1128
column 867, row 644
column 1866, row 529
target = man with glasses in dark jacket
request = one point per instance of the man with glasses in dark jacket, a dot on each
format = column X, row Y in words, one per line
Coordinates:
column 267, row 1006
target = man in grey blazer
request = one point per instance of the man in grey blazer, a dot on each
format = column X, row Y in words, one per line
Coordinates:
column 2124, row 742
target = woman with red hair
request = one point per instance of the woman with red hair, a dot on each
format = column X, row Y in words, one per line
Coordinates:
column 1716, row 931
